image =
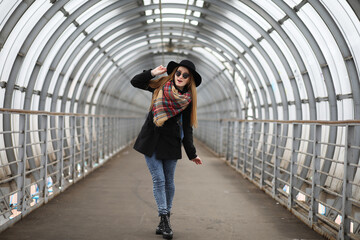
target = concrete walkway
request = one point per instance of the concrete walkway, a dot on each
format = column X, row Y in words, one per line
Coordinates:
column 212, row 201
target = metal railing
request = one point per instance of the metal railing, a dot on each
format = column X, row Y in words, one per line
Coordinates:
column 311, row 167
column 43, row 153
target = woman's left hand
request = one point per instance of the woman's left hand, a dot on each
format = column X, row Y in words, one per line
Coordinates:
column 197, row 160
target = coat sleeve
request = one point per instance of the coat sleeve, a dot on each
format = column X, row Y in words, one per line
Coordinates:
column 142, row 80
column 188, row 134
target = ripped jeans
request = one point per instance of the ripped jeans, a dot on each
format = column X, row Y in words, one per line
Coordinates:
column 162, row 173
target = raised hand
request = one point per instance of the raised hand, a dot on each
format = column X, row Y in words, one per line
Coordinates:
column 158, row 70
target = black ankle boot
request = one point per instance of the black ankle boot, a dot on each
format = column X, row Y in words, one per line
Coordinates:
column 167, row 231
column 160, row 227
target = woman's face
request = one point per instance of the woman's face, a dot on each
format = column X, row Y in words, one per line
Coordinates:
column 182, row 77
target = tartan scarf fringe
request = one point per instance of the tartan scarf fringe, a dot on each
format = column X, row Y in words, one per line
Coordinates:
column 168, row 103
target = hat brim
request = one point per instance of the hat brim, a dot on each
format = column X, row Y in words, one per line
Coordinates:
column 172, row 65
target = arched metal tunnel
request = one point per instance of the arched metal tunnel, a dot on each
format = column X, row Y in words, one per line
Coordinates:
column 280, row 98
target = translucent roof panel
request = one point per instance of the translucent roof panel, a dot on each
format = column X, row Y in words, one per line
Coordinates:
column 72, row 6
column 349, row 25
column 306, row 52
column 248, row 11
column 328, row 46
column 6, row 9
column 293, row 3
column 271, row 8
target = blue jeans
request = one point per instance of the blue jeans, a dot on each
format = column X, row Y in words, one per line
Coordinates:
column 162, row 173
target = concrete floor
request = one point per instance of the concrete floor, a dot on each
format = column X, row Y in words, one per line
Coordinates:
column 212, row 201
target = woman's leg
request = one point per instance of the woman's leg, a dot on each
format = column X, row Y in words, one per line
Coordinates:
column 169, row 172
column 157, row 173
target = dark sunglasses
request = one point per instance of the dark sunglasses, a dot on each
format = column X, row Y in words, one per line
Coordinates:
column 184, row 75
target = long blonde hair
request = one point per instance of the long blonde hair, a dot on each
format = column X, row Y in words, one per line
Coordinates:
column 159, row 83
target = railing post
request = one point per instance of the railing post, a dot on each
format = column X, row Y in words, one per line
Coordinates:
column 113, row 134
column 227, row 141
column 211, row 135
column 293, row 164
column 110, row 136
column 232, row 124
column 91, row 141
column 253, row 152
column 44, row 155
column 73, row 149
column 245, row 146
column 59, row 154
column 263, row 149
column 276, row 171
column 82, row 145
column 117, row 135
column 127, row 136
column 97, row 129
column 23, row 119
column 347, row 186
column 121, row 136
column 239, row 145
column 103, row 137
column 221, row 138
column 315, row 191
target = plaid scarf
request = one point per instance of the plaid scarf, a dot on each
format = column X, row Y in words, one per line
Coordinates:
column 168, row 103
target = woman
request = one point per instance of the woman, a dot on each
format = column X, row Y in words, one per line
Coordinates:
column 169, row 123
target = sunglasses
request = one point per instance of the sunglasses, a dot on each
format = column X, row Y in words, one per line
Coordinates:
column 184, row 75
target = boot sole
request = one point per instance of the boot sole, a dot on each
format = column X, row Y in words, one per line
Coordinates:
column 167, row 236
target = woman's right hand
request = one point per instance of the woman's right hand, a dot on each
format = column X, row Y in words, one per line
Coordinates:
column 158, row 70
column 197, row 160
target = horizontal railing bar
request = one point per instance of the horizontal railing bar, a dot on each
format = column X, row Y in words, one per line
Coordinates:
column 34, row 169
column 331, row 144
column 303, row 179
column 350, row 121
column 354, row 147
column 10, row 163
column 354, row 183
column 52, row 163
column 9, row 194
column 327, row 174
column 304, row 153
column 355, row 201
column 284, row 170
column 10, row 132
column 329, row 191
column 20, row 111
column 353, row 219
column 283, row 181
column 34, row 143
column 328, row 206
column 35, row 131
column 331, row 160
column 7, row 148
column 35, row 182
column 9, row 179
column 304, row 166
column 52, row 174
column 305, row 140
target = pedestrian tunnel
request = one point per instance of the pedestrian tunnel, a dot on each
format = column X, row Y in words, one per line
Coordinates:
column 279, row 101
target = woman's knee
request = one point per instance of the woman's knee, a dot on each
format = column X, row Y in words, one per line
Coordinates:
column 159, row 180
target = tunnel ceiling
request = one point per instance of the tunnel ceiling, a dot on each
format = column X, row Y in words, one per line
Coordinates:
column 259, row 59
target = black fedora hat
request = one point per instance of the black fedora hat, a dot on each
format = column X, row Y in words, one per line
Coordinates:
column 189, row 65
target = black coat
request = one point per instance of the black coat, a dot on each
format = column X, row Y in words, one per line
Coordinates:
column 164, row 140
